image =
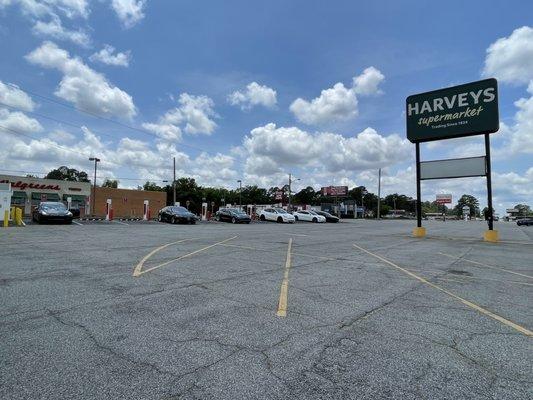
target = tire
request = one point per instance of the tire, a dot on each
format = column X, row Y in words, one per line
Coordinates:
column 280, row 220
column 262, row 217
column 315, row 220
column 295, row 218
column 247, row 222
column 217, row 218
column 233, row 220
column 173, row 220
column 159, row 218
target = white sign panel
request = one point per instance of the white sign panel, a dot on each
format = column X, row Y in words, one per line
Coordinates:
column 444, row 198
column 454, row 168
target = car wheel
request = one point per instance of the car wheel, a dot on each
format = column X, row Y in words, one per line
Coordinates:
column 173, row 220
column 262, row 217
column 159, row 218
column 315, row 220
column 247, row 222
column 233, row 220
column 295, row 218
column 280, row 220
column 217, row 218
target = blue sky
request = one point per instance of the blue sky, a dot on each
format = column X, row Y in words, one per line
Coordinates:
column 255, row 90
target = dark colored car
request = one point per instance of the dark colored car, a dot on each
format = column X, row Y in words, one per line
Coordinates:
column 176, row 215
column 233, row 215
column 524, row 221
column 329, row 217
column 51, row 211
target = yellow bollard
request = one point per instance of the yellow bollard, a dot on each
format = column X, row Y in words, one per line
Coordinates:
column 6, row 219
column 18, row 217
column 419, row 232
column 491, row 236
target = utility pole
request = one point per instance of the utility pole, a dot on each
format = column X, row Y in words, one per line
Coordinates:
column 379, row 193
column 174, row 184
column 290, row 182
column 96, row 161
column 240, row 194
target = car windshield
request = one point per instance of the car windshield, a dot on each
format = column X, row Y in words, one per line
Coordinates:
column 179, row 209
column 312, row 212
column 53, row 207
column 235, row 210
column 280, row 210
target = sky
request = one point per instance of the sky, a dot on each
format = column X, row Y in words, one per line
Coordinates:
column 257, row 90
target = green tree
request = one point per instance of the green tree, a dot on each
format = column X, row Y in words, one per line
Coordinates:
column 110, row 183
column 306, row 196
column 153, row 187
column 64, row 173
column 467, row 200
column 523, row 209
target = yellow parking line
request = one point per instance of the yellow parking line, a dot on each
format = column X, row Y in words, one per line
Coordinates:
column 511, row 324
column 282, row 304
column 138, row 267
column 182, row 257
column 486, row 265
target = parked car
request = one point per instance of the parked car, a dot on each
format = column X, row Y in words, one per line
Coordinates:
column 276, row 214
column 233, row 215
column 329, row 217
column 176, row 215
column 51, row 211
column 524, row 221
column 309, row 216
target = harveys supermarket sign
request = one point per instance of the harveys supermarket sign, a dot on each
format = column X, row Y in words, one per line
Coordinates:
column 464, row 110
column 24, row 185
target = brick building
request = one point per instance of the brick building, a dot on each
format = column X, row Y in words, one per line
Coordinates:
column 128, row 203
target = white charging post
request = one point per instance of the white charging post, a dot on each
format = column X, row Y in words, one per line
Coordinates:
column 108, row 210
column 146, row 210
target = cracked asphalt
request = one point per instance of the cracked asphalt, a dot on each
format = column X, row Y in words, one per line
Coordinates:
column 76, row 324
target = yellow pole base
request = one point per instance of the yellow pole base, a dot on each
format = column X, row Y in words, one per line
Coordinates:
column 491, row 236
column 6, row 219
column 419, row 232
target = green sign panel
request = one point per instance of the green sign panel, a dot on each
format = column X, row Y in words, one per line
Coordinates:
column 464, row 110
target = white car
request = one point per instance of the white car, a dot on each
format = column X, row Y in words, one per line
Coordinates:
column 310, row 216
column 276, row 214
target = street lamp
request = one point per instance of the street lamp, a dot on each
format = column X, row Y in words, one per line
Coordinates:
column 363, row 194
column 290, row 181
column 96, row 161
column 240, row 194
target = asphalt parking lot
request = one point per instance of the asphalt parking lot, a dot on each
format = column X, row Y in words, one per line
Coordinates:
column 355, row 310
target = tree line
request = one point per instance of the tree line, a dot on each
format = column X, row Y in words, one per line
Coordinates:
column 187, row 189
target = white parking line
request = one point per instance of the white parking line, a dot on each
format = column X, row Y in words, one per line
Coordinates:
column 118, row 222
column 77, row 223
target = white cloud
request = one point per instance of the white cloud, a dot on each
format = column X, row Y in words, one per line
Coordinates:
column 510, row 59
column 55, row 29
column 522, row 131
column 367, row 83
column 335, row 104
column 107, row 56
column 18, row 122
column 255, row 94
column 193, row 116
column 85, row 88
column 270, row 147
column 130, row 12
column 338, row 103
column 14, row 97
column 38, row 9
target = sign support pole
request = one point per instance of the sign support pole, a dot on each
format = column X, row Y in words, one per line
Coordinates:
column 489, row 184
column 419, row 231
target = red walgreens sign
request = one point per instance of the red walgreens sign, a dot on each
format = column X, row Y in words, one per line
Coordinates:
column 335, row 190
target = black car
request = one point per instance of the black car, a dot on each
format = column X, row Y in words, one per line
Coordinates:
column 233, row 215
column 524, row 221
column 176, row 215
column 51, row 211
column 329, row 217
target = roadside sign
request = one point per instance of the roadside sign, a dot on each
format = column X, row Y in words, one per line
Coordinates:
column 279, row 195
column 335, row 190
column 453, row 168
column 464, row 110
column 443, row 199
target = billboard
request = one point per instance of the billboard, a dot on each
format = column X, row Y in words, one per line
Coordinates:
column 335, row 191
column 443, row 199
column 453, row 168
column 464, row 110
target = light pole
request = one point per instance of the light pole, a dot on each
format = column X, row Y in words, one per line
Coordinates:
column 394, row 202
column 96, row 161
column 379, row 193
column 363, row 194
column 290, row 182
column 174, row 184
column 240, row 194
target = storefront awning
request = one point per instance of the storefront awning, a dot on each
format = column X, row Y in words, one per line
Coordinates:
column 75, row 197
column 49, row 196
